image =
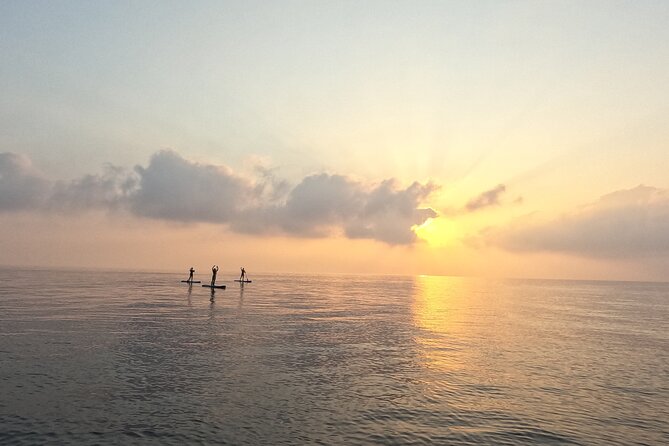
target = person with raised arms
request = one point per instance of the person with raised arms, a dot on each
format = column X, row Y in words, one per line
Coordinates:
column 214, row 270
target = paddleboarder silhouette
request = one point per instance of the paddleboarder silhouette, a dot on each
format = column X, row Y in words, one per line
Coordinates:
column 242, row 276
column 214, row 270
column 190, row 277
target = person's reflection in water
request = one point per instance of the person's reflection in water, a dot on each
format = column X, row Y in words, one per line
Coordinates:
column 213, row 294
column 190, row 292
column 212, row 307
column 241, row 297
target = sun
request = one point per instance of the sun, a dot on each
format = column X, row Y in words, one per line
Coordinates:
column 438, row 232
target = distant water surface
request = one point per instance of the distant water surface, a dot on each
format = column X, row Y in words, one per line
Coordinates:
column 137, row 358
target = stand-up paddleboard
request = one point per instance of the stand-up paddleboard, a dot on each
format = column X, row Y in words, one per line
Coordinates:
column 191, row 281
column 222, row 287
column 243, row 281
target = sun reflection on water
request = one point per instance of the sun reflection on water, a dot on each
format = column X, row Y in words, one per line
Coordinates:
column 438, row 311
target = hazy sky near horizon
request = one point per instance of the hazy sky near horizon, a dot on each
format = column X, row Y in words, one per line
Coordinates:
column 515, row 138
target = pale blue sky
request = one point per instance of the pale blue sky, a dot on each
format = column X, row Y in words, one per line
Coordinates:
column 308, row 82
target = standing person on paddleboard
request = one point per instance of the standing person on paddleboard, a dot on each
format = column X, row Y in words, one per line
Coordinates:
column 242, row 276
column 214, row 270
column 190, row 277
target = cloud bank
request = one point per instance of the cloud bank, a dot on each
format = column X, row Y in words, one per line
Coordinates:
column 172, row 188
column 625, row 224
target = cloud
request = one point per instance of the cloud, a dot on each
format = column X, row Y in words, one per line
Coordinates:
column 110, row 190
column 21, row 185
column 323, row 204
column 389, row 211
column 626, row 223
column 486, row 199
column 172, row 188
column 318, row 201
column 270, row 187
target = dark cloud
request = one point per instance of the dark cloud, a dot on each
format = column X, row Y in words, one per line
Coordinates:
column 626, row 223
column 173, row 188
column 486, row 199
column 21, row 185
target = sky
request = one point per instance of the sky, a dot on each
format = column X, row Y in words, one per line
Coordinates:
column 490, row 138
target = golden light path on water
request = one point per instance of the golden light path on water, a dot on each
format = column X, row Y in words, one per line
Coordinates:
column 438, row 310
column 465, row 336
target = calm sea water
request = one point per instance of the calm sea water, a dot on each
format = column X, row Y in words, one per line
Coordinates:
column 137, row 358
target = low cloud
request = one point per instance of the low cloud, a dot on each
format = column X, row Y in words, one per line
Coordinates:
column 324, row 204
column 390, row 211
column 319, row 202
column 21, row 185
column 486, row 199
column 174, row 189
column 626, row 223
column 109, row 190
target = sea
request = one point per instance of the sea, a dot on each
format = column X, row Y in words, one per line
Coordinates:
column 109, row 357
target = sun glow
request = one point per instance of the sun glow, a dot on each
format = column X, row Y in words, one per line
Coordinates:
column 438, row 232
